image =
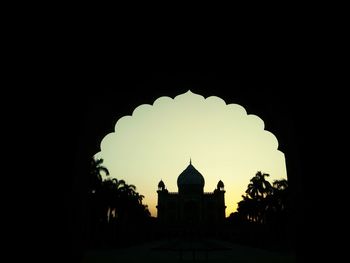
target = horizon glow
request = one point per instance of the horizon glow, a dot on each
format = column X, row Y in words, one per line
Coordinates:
column 224, row 142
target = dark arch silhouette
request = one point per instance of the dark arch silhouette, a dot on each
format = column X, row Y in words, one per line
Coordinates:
column 97, row 109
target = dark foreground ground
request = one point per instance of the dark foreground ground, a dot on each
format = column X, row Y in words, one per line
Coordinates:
column 176, row 250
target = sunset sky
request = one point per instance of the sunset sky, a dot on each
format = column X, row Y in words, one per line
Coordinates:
column 157, row 140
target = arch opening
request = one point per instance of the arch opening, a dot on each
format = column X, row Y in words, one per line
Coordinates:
column 223, row 140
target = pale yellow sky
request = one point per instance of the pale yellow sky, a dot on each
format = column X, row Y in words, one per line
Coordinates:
column 225, row 143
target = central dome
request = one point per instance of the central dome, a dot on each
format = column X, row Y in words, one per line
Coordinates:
column 190, row 176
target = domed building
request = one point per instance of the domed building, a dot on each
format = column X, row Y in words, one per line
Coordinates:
column 191, row 204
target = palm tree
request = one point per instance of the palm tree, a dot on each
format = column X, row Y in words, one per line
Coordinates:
column 246, row 209
column 280, row 184
column 255, row 203
column 95, row 172
column 280, row 188
column 97, row 196
column 139, row 198
column 128, row 190
column 277, row 211
column 259, row 187
column 253, row 188
column 127, row 197
column 109, row 193
column 114, row 197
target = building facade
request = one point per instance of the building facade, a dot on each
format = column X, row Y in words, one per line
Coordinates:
column 191, row 205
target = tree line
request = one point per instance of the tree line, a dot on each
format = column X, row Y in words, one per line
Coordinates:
column 113, row 199
column 115, row 206
column 117, row 210
column 263, row 202
column 263, row 211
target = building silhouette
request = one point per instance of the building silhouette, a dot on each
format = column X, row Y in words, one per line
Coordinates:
column 191, row 205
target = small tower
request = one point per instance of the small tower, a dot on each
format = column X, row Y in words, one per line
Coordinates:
column 162, row 196
column 220, row 192
column 220, row 186
column 161, row 186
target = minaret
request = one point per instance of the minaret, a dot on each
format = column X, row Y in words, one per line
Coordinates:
column 162, row 192
column 220, row 193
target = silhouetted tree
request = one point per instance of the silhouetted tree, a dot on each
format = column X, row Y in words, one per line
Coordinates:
column 259, row 187
column 263, row 211
column 95, row 172
column 277, row 205
column 139, row 198
column 280, row 184
column 247, row 209
column 254, row 204
column 263, row 202
column 114, row 204
column 96, row 189
column 111, row 196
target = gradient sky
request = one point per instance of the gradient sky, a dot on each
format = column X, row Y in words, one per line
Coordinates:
column 224, row 142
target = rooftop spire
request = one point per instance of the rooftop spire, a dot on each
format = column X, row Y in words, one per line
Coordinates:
column 190, row 161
